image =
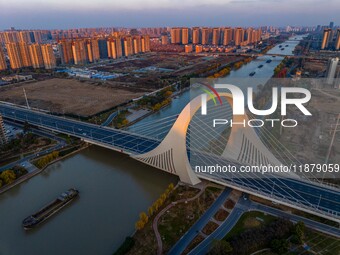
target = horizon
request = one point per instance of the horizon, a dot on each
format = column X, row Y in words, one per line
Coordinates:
column 151, row 13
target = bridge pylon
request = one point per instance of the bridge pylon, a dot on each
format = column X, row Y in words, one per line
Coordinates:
column 171, row 154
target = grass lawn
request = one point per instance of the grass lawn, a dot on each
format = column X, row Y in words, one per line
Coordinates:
column 321, row 243
column 249, row 220
column 180, row 218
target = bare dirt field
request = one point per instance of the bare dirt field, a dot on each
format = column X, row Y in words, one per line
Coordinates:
column 82, row 98
column 310, row 142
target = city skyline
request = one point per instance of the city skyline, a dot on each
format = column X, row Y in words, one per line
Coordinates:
column 151, row 13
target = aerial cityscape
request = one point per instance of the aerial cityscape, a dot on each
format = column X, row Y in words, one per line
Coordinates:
column 167, row 127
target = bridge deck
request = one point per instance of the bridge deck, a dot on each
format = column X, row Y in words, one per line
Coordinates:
column 315, row 197
column 109, row 137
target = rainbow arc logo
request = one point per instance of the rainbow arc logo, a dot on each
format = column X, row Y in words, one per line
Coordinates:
column 211, row 93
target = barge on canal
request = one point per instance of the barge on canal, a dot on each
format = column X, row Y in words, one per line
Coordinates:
column 50, row 209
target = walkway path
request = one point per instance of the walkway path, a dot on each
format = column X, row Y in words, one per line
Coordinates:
column 160, row 214
column 185, row 240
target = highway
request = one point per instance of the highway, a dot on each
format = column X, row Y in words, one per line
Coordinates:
column 107, row 137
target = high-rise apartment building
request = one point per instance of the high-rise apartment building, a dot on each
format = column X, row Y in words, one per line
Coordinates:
column 175, row 35
column 251, row 35
column 65, row 50
column 36, row 55
column 25, row 36
column 185, row 35
column 11, row 37
column 14, row 55
column 25, row 54
column 216, row 36
column 196, row 35
column 79, row 52
column 103, row 51
column 238, row 36
column 3, row 65
column 37, row 36
column 337, row 41
column 326, row 38
column 205, row 35
column 127, row 44
column 227, row 35
column 145, row 43
column 137, row 44
column 119, row 47
column 48, row 56
column 112, row 48
column 92, row 50
column 164, row 39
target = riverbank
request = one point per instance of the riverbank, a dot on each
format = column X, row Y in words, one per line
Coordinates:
column 37, row 171
column 183, row 207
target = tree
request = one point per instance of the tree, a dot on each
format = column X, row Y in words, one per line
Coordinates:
column 7, row 176
column 150, row 211
column 42, row 162
column 139, row 225
column 279, row 246
column 171, row 186
column 143, row 217
column 300, row 231
column 220, row 247
column 168, row 94
column 157, row 107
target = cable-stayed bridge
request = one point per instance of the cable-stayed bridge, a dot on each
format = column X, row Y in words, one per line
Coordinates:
column 153, row 144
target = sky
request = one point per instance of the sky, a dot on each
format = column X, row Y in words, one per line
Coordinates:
column 63, row 14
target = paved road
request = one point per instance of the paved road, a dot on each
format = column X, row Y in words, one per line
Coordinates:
column 25, row 160
column 185, row 240
column 220, row 232
column 109, row 137
column 309, row 223
column 109, row 119
column 246, row 205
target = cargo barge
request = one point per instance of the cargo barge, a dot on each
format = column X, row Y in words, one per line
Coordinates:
column 46, row 212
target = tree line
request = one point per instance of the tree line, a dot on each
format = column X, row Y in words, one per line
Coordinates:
column 144, row 217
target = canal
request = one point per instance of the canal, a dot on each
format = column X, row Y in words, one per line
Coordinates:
column 114, row 189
